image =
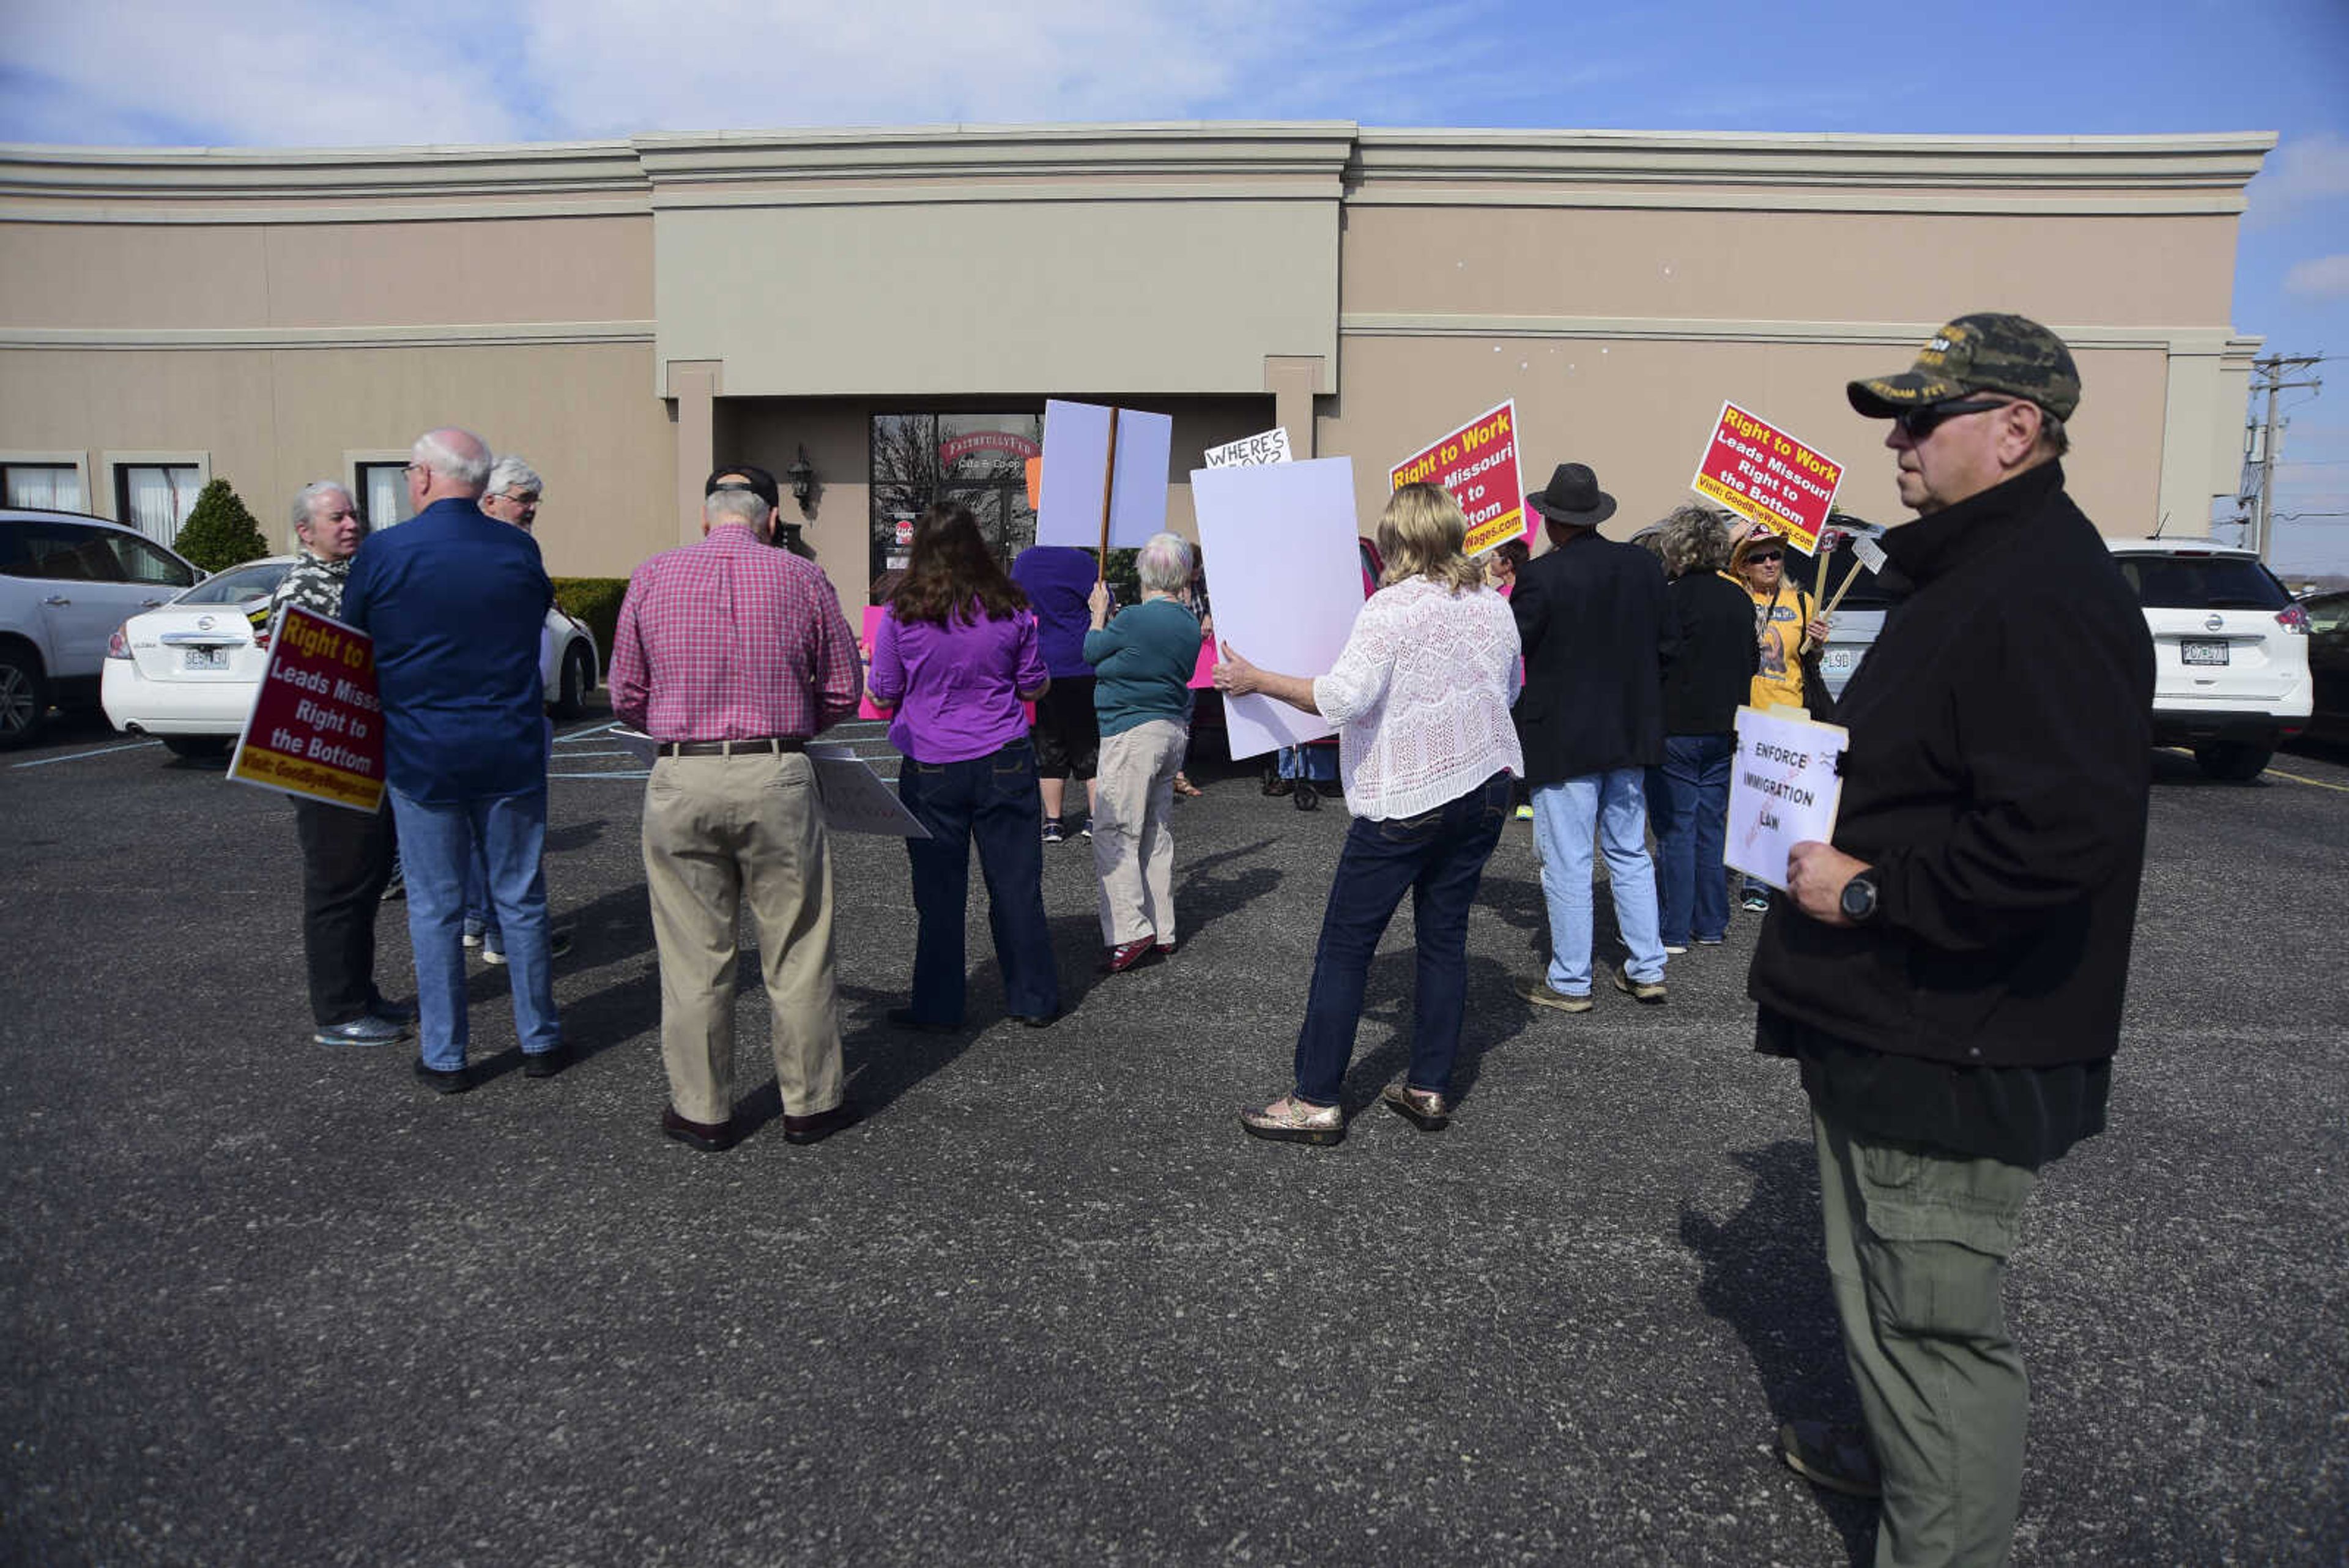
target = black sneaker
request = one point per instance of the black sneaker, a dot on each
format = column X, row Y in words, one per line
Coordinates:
column 1088, row 829
column 1054, row 832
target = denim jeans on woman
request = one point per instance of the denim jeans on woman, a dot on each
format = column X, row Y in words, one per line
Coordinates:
column 1437, row 857
column 1688, row 807
column 991, row 799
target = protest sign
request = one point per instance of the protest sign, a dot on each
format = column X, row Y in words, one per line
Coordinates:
column 1785, row 786
column 1285, row 575
column 874, row 615
column 1761, row 472
column 856, row 798
column 317, row 725
column 1272, row 446
column 1478, row 465
column 1090, row 452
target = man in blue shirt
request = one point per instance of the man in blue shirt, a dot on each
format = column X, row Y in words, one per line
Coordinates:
column 455, row 601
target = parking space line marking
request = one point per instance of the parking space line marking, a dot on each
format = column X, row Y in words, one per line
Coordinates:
column 575, row 756
column 2297, row 778
column 646, row 774
column 77, row 756
column 585, row 734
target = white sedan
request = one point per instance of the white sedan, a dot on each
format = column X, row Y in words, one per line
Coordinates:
column 186, row 673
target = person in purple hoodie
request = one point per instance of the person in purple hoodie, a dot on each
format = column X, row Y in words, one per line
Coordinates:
column 1057, row 578
column 955, row 657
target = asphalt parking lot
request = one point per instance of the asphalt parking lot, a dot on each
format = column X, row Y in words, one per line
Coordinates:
column 264, row 1302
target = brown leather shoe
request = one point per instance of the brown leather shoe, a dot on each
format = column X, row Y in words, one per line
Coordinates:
column 710, row 1137
column 821, row 1125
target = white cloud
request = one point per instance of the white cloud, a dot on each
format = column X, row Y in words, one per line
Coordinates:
column 310, row 73
column 2320, row 277
column 2306, row 171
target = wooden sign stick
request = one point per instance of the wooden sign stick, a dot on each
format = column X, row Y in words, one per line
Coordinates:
column 1109, row 490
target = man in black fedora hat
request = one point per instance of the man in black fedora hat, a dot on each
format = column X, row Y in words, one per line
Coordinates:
column 1598, row 633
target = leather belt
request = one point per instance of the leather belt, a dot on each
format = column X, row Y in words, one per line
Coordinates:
column 776, row 744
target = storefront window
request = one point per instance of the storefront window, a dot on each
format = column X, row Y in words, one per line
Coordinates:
column 978, row 460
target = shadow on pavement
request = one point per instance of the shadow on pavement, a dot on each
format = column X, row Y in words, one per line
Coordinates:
column 1765, row 1276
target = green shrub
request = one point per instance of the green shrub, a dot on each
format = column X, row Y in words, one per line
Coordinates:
column 597, row 602
column 220, row 532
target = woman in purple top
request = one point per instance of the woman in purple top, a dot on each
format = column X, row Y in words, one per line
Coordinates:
column 955, row 657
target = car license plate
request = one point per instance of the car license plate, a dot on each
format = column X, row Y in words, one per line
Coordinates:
column 2202, row 652
column 1839, row 658
column 205, row 658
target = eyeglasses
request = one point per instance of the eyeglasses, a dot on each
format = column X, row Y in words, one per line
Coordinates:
column 1758, row 558
column 1919, row 423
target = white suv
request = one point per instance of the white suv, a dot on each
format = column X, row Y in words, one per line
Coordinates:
column 67, row 581
column 2229, row 651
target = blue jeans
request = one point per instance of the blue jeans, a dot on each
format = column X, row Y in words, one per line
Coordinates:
column 992, row 799
column 1438, row 856
column 481, row 915
column 1563, row 815
column 1315, row 764
column 436, row 841
column 1688, row 806
column 480, row 921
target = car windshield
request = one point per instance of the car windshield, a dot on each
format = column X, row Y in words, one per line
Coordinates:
column 238, row 584
column 2202, row 582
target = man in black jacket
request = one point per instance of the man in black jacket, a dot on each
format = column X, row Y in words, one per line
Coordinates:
column 1949, row 972
column 1598, row 633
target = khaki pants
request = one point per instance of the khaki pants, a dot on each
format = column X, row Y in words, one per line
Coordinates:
column 720, row 831
column 1134, row 848
column 1916, row 1248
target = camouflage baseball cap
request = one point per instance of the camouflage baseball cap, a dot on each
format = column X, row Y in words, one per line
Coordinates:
column 1984, row 353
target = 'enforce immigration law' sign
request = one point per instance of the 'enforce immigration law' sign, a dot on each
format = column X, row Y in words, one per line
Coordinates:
column 317, row 725
column 1761, row 472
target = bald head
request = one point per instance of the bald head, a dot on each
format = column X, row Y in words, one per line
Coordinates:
column 449, row 463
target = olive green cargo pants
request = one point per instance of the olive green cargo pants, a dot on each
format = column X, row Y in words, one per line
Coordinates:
column 1917, row 1243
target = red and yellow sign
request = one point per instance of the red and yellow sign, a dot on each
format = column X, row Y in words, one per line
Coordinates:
column 317, row 725
column 1759, row 472
column 1479, row 464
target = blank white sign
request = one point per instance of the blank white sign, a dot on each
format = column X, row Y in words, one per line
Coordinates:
column 1285, row 575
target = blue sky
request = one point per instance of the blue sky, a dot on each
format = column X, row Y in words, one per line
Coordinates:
column 404, row 72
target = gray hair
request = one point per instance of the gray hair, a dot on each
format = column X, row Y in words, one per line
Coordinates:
column 1164, row 564
column 311, row 491
column 2053, row 435
column 510, row 472
column 735, row 506
column 1692, row 538
column 455, row 454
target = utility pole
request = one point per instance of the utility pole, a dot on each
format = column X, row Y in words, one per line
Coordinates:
column 2274, row 372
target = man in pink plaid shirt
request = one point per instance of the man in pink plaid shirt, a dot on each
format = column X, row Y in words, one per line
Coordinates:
column 731, row 654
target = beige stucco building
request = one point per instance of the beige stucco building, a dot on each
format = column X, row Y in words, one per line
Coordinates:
column 894, row 306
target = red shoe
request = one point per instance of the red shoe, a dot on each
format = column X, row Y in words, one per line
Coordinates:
column 1125, row 955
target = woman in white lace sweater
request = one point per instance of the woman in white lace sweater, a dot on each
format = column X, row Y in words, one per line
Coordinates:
column 1421, row 698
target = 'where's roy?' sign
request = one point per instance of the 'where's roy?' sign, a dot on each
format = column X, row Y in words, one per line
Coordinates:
column 317, row 725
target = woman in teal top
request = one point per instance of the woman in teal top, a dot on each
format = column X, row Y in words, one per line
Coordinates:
column 1141, row 664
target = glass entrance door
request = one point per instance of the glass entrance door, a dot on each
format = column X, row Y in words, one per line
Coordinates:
column 977, row 460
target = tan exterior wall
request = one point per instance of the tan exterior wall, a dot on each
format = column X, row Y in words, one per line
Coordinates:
column 273, row 419
column 192, row 276
column 625, row 313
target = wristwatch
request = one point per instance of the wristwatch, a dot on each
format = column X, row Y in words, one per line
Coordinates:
column 1858, row 900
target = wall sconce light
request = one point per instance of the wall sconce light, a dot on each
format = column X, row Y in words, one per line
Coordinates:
column 802, row 477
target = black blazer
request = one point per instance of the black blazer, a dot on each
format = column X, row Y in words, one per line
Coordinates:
column 1598, row 632
column 1714, row 676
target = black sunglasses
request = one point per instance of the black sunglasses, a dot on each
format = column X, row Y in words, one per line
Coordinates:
column 1772, row 555
column 1919, row 423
